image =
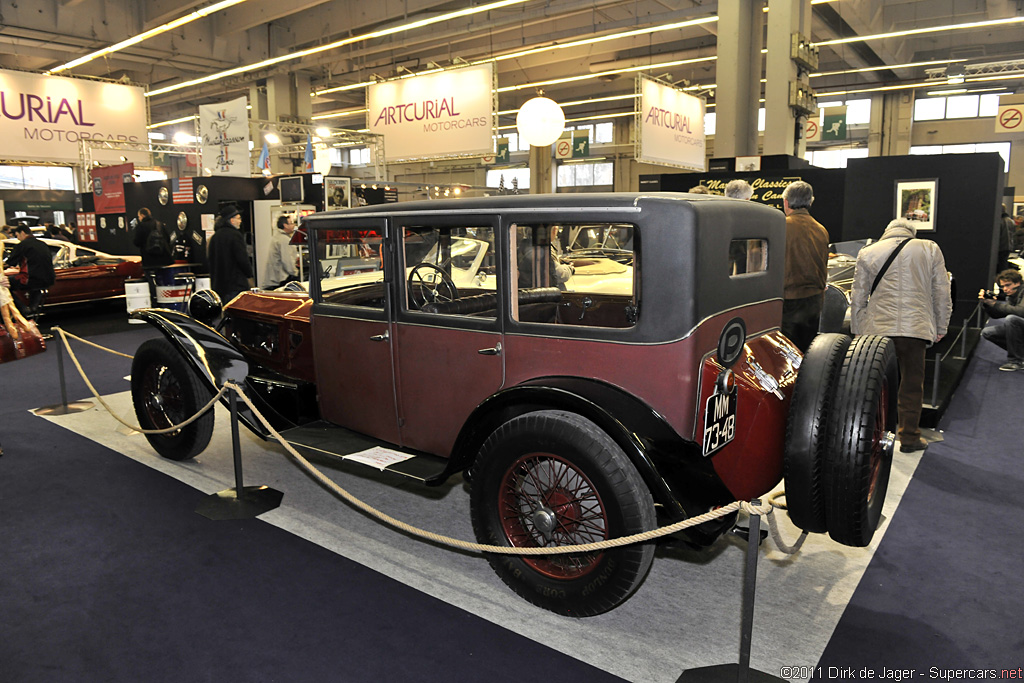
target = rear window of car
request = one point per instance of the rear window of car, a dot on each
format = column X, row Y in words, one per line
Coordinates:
column 592, row 265
column 748, row 256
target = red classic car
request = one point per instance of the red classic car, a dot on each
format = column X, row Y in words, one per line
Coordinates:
column 83, row 273
column 576, row 415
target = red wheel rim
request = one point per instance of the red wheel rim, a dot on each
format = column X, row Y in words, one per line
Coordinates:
column 545, row 501
column 878, row 440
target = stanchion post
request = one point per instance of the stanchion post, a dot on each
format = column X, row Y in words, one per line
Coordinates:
column 741, row 672
column 963, row 340
column 236, row 447
column 241, row 502
column 62, row 408
column 935, row 379
column 60, row 370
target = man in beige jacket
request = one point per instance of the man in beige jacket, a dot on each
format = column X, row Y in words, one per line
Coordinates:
column 911, row 305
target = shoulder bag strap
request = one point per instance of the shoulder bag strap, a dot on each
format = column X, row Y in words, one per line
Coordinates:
column 888, row 262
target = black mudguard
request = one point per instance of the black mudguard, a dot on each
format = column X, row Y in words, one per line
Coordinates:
column 681, row 481
column 214, row 360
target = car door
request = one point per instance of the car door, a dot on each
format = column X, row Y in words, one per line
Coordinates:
column 352, row 331
column 92, row 276
column 448, row 336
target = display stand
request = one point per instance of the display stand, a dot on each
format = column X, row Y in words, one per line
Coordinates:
column 62, row 408
column 741, row 672
column 241, row 502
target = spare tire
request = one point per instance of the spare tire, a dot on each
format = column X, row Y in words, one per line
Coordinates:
column 860, row 440
column 806, row 430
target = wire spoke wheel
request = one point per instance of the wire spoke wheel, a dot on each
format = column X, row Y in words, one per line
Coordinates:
column 545, row 501
column 166, row 392
column 578, row 488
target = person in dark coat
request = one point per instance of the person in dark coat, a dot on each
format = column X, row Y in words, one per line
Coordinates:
column 143, row 226
column 230, row 269
column 39, row 262
column 151, row 263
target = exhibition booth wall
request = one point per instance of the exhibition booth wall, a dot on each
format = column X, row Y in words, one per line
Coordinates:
column 957, row 198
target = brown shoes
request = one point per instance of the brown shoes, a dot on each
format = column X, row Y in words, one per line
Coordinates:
column 920, row 445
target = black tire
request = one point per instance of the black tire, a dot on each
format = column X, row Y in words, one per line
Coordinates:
column 806, row 431
column 588, row 491
column 860, row 440
column 166, row 392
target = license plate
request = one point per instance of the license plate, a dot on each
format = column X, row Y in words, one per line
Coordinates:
column 719, row 421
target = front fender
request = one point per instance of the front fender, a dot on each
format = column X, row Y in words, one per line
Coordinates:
column 213, row 358
column 679, row 479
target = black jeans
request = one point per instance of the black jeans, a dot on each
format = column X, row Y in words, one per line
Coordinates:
column 800, row 319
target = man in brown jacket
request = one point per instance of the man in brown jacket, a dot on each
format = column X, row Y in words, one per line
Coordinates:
column 806, row 266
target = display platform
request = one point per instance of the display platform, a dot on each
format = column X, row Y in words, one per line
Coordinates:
column 686, row 614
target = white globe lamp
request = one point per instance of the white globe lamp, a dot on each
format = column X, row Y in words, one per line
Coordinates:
column 540, row 121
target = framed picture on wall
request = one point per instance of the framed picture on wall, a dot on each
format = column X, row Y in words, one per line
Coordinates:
column 916, row 201
column 1018, row 210
column 337, row 193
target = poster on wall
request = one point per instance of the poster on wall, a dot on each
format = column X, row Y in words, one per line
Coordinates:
column 44, row 117
column 108, row 187
column 671, row 126
column 445, row 114
column 224, row 133
column 916, row 201
column 337, row 193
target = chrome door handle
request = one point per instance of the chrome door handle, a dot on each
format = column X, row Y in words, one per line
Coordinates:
column 380, row 337
column 494, row 351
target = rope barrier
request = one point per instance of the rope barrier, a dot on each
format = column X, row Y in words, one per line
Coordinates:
column 765, row 508
column 173, row 428
column 92, row 344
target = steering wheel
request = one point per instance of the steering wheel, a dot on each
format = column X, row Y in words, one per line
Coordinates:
column 425, row 289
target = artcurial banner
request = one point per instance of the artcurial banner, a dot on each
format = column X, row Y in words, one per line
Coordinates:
column 43, row 117
column 671, row 126
column 224, row 129
column 445, row 114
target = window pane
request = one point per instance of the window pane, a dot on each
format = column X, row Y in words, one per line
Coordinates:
column 447, row 264
column 926, row 149
column 748, row 256
column 958, row 149
column 603, row 174
column 11, row 176
column 930, row 109
column 577, row 261
column 343, row 259
column 604, row 133
column 760, row 119
column 962, row 107
column 566, row 175
column 989, row 105
column 709, row 123
column 858, row 112
column 503, row 177
column 584, row 174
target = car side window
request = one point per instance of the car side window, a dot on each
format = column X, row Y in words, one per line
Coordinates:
column 350, row 267
column 748, row 256
column 450, row 270
column 588, row 269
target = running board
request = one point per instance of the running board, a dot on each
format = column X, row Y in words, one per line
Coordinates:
column 324, row 438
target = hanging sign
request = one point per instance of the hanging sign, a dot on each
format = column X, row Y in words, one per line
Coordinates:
column 1010, row 118
column 445, row 114
column 108, row 187
column 671, row 126
column 833, row 123
column 224, row 134
column 44, row 117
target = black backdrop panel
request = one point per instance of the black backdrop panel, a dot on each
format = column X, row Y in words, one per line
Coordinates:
column 828, row 187
column 969, row 190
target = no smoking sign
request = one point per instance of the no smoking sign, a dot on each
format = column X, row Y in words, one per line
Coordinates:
column 563, row 149
column 1010, row 119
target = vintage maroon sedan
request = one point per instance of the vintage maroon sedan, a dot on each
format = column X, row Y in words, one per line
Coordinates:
column 85, row 274
column 577, row 416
